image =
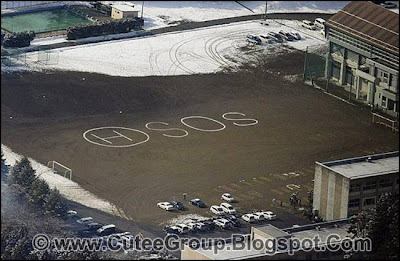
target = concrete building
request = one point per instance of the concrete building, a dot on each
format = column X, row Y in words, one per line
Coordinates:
column 123, row 11
column 363, row 54
column 246, row 247
column 344, row 187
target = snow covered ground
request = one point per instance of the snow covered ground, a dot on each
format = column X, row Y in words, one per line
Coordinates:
column 69, row 189
column 204, row 50
column 166, row 13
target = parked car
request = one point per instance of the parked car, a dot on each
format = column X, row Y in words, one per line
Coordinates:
column 295, row 35
column 197, row 202
column 308, row 24
column 223, row 223
column 269, row 215
column 171, row 230
column 276, row 37
column 72, row 213
column 389, row 5
column 319, row 22
column 253, row 39
column 182, row 228
column 286, row 36
column 266, row 38
column 94, row 226
column 227, row 208
column 227, row 197
column 217, row 210
column 249, row 218
column 106, row 230
column 85, row 220
column 193, row 226
column 165, row 205
column 178, row 205
column 201, row 226
column 208, row 224
column 259, row 216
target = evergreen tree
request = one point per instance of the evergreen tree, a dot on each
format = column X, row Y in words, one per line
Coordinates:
column 381, row 226
column 39, row 192
column 54, row 202
column 22, row 174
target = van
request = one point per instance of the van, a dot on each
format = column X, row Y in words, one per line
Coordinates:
column 308, row 24
column 106, row 230
column 319, row 22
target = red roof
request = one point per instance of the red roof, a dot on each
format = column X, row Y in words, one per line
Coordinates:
column 369, row 22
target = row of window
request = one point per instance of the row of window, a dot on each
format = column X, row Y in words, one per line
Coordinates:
column 383, row 183
column 386, row 56
column 366, row 202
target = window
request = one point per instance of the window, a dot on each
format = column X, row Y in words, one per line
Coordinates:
column 354, row 203
column 355, row 187
column 362, row 60
column 369, row 185
column 383, row 76
column 383, row 101
column 335, row 70
column 349, row 75
column 337, row 49
column 390, row 104
column 352, row 56
column 384, row 183
column 369, row 201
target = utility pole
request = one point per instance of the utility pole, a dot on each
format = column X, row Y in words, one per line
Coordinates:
column 266, row 8
column 142, row 9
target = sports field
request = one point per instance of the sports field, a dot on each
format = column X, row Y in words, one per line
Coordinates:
column 205, row 153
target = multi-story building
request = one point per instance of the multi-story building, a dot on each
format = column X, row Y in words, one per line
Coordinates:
column 344, row 187
column 363, row 54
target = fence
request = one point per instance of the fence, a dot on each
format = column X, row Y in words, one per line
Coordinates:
column 14, row 57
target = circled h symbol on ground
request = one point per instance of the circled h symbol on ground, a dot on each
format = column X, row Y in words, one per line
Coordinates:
column 106, row 141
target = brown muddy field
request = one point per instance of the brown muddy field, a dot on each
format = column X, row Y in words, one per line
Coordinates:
column 297, row 125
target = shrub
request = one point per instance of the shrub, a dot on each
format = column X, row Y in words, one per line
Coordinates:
column 22, row 39
column 103, row 28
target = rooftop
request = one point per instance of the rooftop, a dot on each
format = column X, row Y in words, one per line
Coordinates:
column 338, row 227
column 366, row 166
column 124, row 8
column 272, row 231
column 369, row 22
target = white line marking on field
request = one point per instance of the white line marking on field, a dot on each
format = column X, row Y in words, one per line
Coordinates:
column 202, row 117
column 112, row 137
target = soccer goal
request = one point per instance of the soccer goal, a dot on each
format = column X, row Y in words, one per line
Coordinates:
column 379, row 119
column 60, row 169
column 48, row 57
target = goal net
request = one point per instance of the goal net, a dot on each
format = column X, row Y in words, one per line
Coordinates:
column 379, row 119
column 48, row 57
column 60, row 169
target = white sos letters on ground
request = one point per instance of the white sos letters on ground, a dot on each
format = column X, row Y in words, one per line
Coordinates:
column 127, row 137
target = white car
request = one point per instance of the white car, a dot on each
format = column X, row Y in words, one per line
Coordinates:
column 265, row 38
column 85, row 220
column 227, row 208
column 222, row 223
column 259, row 216
column 269, row 215
column 319, row 22
column 217, row 210
column 308, row 24
column 227, row 197
column 295, row 35
column 182, row 228
column 72, row 213
column 165, row 205
column 249, row 218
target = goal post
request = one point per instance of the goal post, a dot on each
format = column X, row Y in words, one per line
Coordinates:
column 59, row 168
column 379, row 119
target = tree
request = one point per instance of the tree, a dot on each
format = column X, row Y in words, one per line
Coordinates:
column 54, row 202
column 39, row 192
column 381, row 226
column 22, row 174
column 4, row 167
